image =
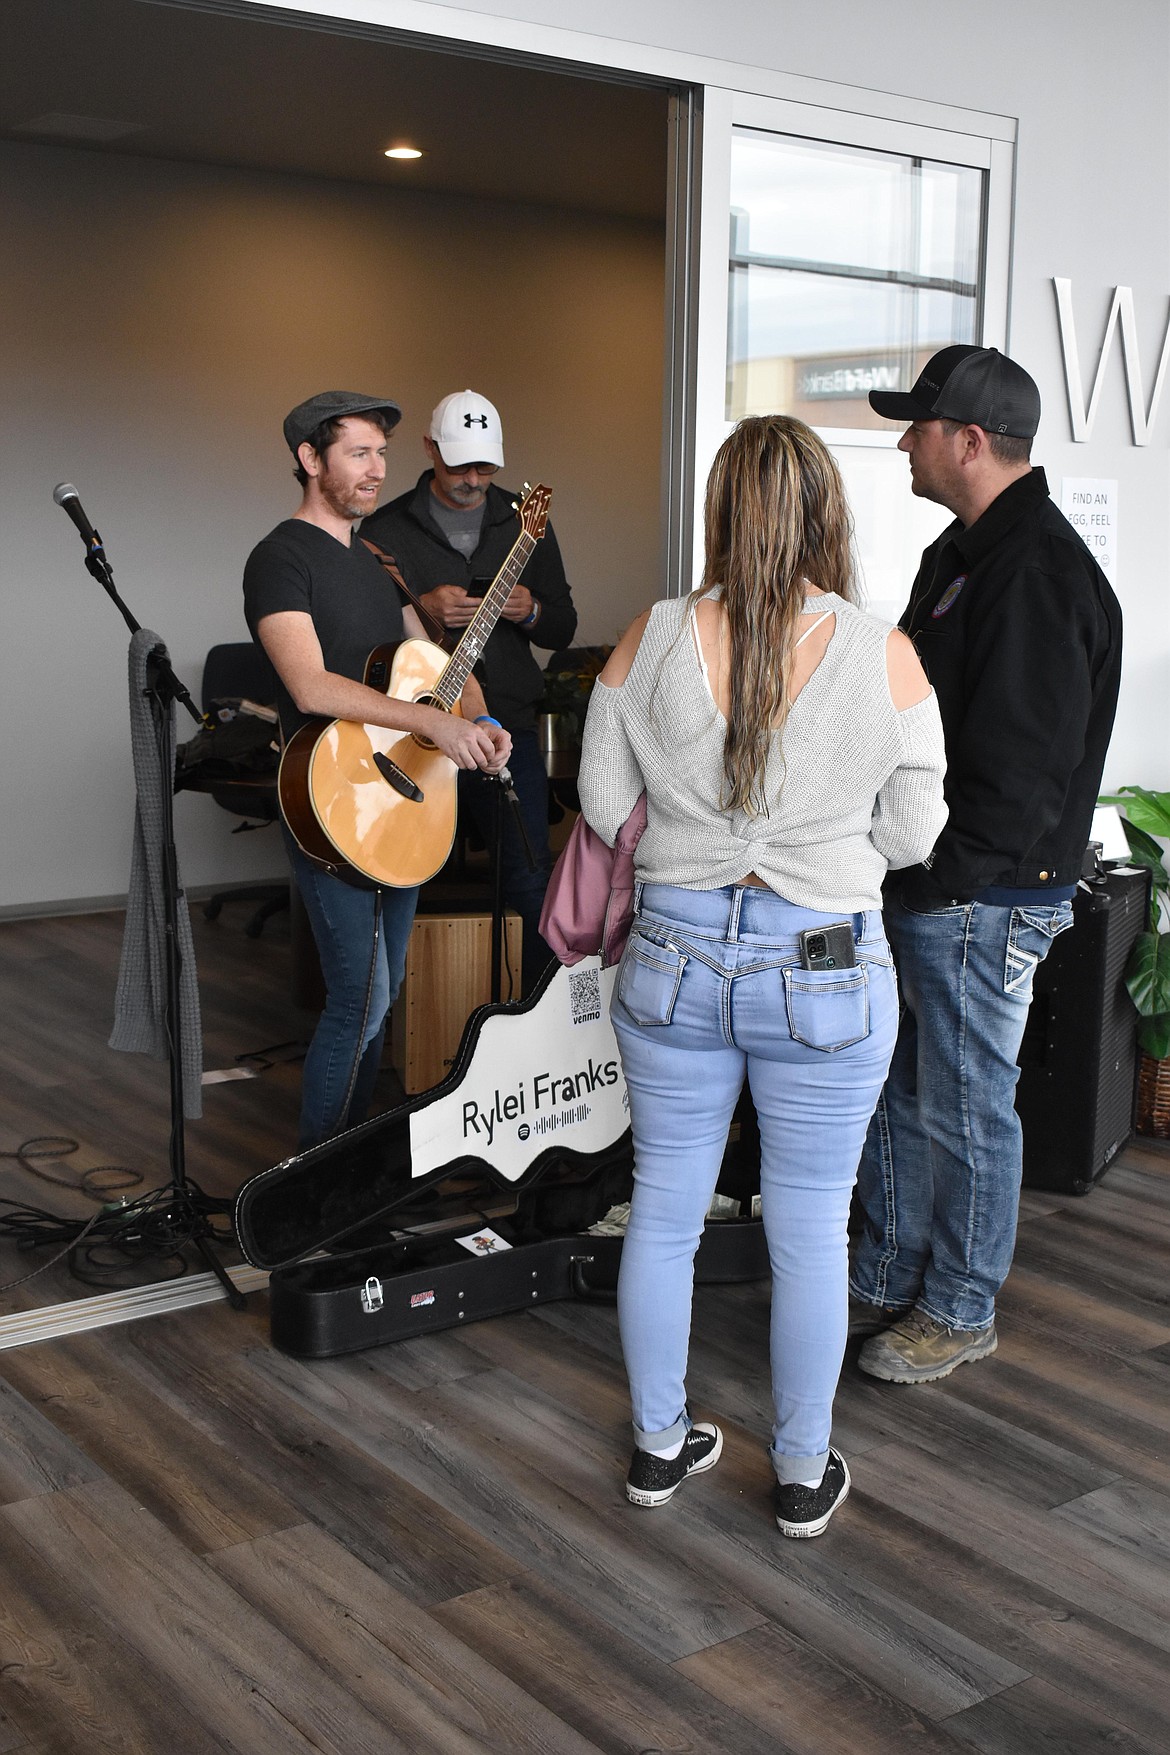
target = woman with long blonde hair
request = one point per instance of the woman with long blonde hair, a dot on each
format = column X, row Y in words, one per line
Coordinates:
column 791, row 752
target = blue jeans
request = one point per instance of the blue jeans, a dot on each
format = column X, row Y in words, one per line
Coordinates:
column 710, row 989
column 523, row 886
column 361, row 938
column 940, row 1175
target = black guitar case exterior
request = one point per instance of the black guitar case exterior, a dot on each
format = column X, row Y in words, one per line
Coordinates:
column 527, row 1140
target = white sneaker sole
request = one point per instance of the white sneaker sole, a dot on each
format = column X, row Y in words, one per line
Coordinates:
column 648, row 1499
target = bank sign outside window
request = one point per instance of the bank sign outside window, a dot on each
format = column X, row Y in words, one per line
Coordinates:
column 849, row 267
column 836, row 380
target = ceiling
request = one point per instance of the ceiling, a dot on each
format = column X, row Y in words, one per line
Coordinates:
column 218, row 88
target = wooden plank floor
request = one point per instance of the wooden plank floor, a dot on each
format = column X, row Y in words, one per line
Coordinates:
column 59, row 1077
column 208, row 1546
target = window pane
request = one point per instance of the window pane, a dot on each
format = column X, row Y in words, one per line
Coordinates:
column 849, row 268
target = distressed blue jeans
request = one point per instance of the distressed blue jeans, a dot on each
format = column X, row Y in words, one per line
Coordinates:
column 940, row 1176
column 711, row 991
column 361, row 938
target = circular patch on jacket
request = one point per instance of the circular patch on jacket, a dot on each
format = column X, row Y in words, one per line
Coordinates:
column 948, row 597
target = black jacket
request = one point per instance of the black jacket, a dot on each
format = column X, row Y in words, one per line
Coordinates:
column 512, row 680
column 1020, row 635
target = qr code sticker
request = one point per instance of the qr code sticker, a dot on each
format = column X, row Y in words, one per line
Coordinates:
column 585, row 995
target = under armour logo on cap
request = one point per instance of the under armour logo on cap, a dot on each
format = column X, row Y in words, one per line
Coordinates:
column 466, row 428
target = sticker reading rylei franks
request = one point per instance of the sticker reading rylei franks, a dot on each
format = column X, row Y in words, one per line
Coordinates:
column 948, row 597
column 543, row 1079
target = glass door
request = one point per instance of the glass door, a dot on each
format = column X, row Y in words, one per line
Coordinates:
column 838, row 252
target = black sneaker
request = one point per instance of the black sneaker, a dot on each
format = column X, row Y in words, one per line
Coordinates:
column 805, row 1511
column 653, row 1479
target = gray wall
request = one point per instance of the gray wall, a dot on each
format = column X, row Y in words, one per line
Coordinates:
column 158, row 320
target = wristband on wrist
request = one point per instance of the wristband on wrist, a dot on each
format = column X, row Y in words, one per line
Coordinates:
column 532, row 618
column 486, row 719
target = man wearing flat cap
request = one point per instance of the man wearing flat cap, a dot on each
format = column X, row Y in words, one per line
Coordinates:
column 318, row 602
column 1020, row 635
column 450, row 534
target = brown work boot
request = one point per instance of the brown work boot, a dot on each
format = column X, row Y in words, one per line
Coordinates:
column 919, row 1350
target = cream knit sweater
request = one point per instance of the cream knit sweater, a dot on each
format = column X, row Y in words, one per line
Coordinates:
column 853, row 787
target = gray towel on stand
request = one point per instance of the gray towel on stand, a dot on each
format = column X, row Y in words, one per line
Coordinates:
column 140, row 1005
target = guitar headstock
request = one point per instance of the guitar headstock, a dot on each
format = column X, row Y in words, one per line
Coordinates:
column 533, row 510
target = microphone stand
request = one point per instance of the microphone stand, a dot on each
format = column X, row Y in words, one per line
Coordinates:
column 99, row 568
column 163, row 689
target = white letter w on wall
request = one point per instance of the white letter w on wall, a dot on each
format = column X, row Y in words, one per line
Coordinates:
column 1082, row 418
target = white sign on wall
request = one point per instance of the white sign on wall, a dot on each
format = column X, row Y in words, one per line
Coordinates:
column 1090, row 505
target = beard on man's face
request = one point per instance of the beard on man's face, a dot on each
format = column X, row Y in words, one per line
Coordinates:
column 466, row 492
column 343, row 498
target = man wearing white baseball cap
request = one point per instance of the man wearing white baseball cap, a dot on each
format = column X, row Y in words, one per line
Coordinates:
column 450, row 535
column 466, row 428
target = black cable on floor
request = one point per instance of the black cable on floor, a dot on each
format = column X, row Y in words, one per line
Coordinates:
column 123, row 1236
column 49, row 1145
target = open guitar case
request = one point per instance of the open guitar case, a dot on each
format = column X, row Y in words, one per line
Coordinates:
column 361, row 1234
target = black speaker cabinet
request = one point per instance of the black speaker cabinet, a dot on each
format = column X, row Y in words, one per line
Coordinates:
column 1078, row 1060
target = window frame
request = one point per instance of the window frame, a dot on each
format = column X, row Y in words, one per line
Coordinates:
column 724, row 112
column 991, row 150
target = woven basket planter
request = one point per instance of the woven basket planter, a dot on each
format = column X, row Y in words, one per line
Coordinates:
column 1153, row 1099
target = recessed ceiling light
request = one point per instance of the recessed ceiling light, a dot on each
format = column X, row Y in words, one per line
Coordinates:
column 402, row 152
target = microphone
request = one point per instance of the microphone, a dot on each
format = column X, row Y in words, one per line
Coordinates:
column 65, row 494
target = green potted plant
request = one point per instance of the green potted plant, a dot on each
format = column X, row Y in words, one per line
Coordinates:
column 1146, row 820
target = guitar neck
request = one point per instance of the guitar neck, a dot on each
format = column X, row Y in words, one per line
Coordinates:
column 466, row 655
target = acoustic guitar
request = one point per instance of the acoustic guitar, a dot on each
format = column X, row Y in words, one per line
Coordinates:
column 376, row 806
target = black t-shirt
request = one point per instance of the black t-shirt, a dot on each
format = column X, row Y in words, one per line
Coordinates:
column 353, row 603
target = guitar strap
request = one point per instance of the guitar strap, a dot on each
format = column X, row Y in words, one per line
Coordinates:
column 440, row 635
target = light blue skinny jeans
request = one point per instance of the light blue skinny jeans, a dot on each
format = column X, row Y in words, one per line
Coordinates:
column 710, row 989
column 940, row 1175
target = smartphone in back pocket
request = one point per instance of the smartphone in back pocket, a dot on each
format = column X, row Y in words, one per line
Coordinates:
column 827, row 947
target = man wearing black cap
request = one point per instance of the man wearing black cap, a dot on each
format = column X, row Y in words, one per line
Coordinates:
column 1020, row 635
column 318, row 603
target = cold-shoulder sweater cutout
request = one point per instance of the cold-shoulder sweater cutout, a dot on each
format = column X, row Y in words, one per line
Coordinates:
column 853, row 786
